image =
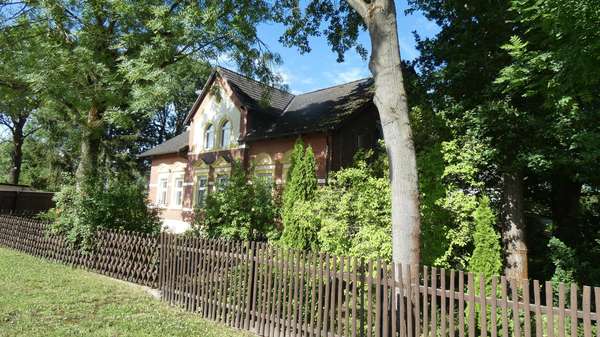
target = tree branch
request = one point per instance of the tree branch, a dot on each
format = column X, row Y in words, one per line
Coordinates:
column 360, row 6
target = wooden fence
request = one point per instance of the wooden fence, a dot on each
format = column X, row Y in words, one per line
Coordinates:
column 278, row 292
column 127, row 256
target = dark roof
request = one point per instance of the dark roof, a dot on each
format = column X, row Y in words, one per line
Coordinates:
column 254, row 94
column 318, row 110
column 173, row 145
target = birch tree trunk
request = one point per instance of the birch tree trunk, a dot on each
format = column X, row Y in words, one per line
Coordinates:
column 513, row 229
column 390, row 99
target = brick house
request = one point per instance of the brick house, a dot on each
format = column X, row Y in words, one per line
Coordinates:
column 237, row 118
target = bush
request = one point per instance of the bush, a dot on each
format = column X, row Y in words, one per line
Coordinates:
column 350, row 216
column 487, row 255
column 240, row 211
column 300, row 188
column 118, row 202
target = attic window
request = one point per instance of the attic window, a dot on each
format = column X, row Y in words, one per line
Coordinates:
column 225, row 134
column 209, row 137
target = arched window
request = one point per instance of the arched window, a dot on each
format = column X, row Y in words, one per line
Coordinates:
column 209, row 137
column 225, row 134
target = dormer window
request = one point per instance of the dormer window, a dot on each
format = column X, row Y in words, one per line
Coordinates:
column 225, row 134
column 209, row 137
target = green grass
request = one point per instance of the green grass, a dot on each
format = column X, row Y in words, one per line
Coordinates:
column 41, row 298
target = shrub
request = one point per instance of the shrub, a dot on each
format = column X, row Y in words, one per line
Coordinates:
column 298, row 193
column 240, row 211
column 116, row 202
column 487, row 255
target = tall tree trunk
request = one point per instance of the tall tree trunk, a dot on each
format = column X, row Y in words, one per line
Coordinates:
column 17, row 152
column 390, row 99
column 566, row 195
column 89, row 147
column 513, row 227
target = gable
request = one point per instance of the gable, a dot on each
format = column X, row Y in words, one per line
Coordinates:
column 214, row 110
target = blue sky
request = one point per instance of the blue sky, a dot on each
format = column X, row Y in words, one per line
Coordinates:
column 319, row 68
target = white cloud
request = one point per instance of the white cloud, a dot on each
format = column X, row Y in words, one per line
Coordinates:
column 292, row 80
column 347, row 75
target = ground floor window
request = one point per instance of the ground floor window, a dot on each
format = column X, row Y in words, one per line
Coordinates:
column 201, row 191
column 162, row 191
column 178, row 192
column 222, row 181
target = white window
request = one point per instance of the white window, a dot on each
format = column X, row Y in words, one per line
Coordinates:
column 201, row 189
column 163, row 183
column 209, row 137
column 225, row 135
column 222, row 180
column 178, row 192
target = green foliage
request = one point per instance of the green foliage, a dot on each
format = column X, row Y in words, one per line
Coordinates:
column 301, row 181
column 301, row 226
column 349, row 216
column 299, row 190
column 487, row 255
column 118, row 202
column 564, row 260
column 240, row 211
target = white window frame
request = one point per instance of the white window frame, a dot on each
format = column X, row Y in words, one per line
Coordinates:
column 209, row 138
column 162, row 195
column 199, row 187
column 176, row 190
column 225, row 139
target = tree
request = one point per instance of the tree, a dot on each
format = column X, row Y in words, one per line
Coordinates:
column 105, row 63
column 18, row 101
column 554, row 70
column 300, row 225
column 344, row 20
column 460, row 65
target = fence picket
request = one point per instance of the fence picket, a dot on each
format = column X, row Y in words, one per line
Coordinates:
column 433, row 301
column 527, row 309
column 443, row 302
column 425, row 302
column 451, row 329
column 504, row 304
column 573, row 307
column 549, row 311
column 471, row 305
column 587, row 324
column 515, row 309
column 369, row 274
column 410, row 317
column 538, row 308
column 494, row 307
column 483, row 306
column 385, row 324
column 561, row 310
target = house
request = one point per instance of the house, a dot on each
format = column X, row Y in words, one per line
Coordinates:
column 238, row 118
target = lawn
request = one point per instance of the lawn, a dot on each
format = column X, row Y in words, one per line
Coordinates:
column 41, row 298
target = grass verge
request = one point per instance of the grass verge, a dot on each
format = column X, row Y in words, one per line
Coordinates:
column 41, row 298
